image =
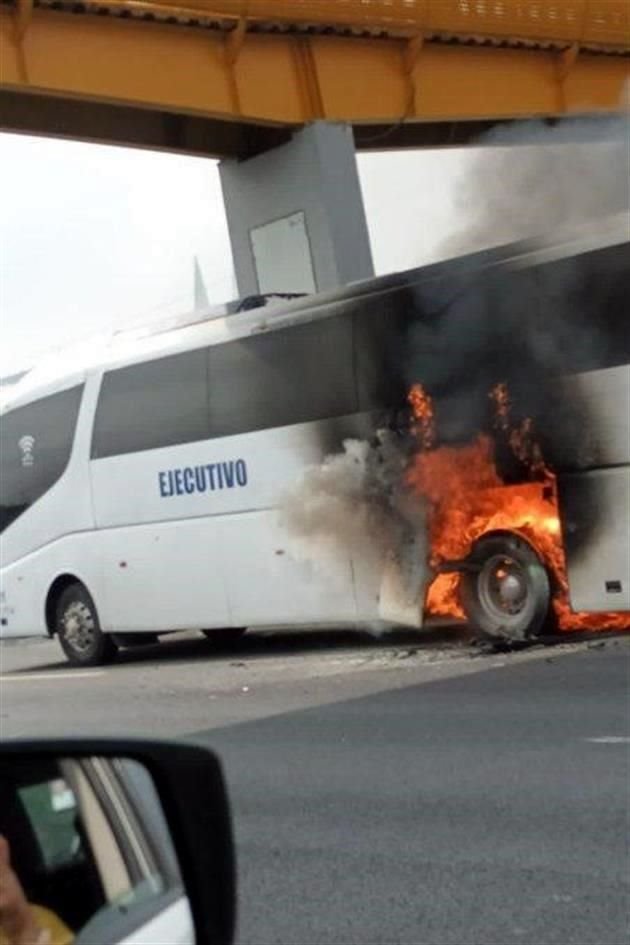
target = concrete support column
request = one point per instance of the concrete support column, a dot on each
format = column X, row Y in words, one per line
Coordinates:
column 295, row 214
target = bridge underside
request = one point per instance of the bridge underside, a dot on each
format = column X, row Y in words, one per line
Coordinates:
column 147, row 73
column 160, row 130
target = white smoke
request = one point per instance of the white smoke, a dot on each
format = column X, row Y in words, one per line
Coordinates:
column 562, row 176
column 332, row 503
column 355, row 504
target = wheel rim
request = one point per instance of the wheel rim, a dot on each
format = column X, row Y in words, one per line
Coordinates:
column 79, row 628
column 503, row 587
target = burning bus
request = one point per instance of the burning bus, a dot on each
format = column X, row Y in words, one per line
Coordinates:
column 458, row 435
column 529, row 487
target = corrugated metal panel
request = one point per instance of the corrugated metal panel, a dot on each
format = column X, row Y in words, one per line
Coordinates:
column 593, row 23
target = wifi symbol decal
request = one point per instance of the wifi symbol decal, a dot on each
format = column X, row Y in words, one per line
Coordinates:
column 26, row 444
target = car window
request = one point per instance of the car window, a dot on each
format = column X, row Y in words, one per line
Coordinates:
column 52, row 810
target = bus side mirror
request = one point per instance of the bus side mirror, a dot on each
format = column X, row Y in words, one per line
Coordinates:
column 116, row 840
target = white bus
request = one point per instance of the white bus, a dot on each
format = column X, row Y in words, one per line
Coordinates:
column 141, row 493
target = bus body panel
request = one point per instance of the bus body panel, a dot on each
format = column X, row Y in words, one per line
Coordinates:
column 269, row 582
column 162, row 576
column 605, row 394
column 598, row 568
column 224, row 550
column 27, row 582
column 66, row 509
column 594, row 493
column 608, row 396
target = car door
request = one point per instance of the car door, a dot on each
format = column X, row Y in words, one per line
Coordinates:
column 90, row 847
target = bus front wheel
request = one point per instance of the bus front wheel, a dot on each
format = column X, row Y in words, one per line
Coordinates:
column 506, row 593
column 79, row 630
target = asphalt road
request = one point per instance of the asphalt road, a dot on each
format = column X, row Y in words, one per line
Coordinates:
column 185, row 683
column 386, row 792
column 484, row 808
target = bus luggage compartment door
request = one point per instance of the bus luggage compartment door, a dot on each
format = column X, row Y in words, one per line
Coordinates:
column 595, row 517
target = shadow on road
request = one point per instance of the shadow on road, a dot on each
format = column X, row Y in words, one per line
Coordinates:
column 259, row 645
column 188, row 647
column 264, row 644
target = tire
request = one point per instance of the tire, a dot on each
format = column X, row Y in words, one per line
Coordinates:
column 79, row 631
column 224, row 636
column 135, row 639
column 508, row 594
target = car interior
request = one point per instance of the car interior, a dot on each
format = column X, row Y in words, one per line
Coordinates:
column 52, row 859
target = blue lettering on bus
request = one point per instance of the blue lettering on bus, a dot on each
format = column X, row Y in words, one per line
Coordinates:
column 163, row 484
column 189, row 480
column 241, row 472
column 228, row 474
column 210, row 477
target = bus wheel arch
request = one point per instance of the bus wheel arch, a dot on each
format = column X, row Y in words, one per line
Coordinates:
column 506, row 588
column 56, row 589
column 71, row 614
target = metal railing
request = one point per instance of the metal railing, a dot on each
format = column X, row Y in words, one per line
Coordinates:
column 589, row 23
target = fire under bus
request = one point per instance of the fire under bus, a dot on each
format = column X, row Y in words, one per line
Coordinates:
column 518, row 362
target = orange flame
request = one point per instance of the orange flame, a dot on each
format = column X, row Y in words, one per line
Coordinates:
column 422, row 410
column 468, row 498
column 521, row 438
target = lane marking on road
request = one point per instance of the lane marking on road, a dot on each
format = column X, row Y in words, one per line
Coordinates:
column 610, row 740
column 36, row 677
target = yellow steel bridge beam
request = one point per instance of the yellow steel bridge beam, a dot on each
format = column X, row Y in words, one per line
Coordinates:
column 226, row 63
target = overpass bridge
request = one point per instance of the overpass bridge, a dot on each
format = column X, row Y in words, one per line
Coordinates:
column 285, row 92
column 230, row 78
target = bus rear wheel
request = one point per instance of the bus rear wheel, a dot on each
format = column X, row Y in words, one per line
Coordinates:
column 506, row 594
column 79, row 630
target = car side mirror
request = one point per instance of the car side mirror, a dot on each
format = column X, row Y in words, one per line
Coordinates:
column 111, row 840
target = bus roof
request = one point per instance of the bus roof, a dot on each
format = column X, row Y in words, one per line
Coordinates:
column 215, row 325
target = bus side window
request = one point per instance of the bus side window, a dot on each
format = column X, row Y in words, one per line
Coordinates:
column 156, row 403
column 35, row 445
column 380, row 333
column 292, row 375
column 584, row 300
